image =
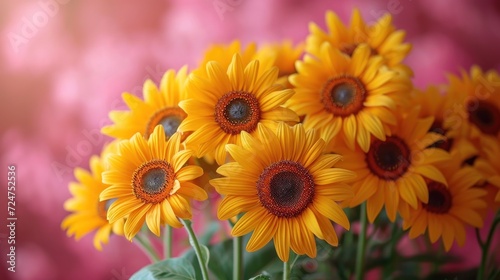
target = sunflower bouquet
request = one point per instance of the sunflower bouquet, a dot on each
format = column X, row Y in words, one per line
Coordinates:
column 323, row 147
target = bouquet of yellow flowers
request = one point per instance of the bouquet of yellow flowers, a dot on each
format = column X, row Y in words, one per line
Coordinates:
column 323, row 147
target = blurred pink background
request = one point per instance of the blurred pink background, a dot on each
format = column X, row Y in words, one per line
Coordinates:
column 64, row 65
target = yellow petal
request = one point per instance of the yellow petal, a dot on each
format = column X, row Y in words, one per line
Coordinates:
column 333, row 175
column 282, row 239
column 191, row 190
column 122, row 207
column 180, row 206
column 264, row 231
column 135, row 221
column 435, row 228
column 350, row 130
column 169, row 215
column 332, row 211
column 231, row 206
column 189, row 172
column 391, row 201
column 249, row 221
column 153, row 219
column 374, row 205
column 430, row 172
column 180, row 158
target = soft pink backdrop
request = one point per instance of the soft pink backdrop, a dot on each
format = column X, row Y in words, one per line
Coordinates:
column 61, row 77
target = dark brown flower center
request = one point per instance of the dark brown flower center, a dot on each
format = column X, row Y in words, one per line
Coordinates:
column 343, row 96
column 437, row 127
column 170, row 118
column 153, row 181
column 237, row 111
column 470, row 160
column 285, row 188
column 440, row 198
column 485, row 116
column 390, row 159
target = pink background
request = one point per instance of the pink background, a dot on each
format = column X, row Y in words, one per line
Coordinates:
column 64, row 65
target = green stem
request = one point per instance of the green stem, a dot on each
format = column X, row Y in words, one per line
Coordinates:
column 147, row 248
column 388, row 269
column 486, row 246
column 237, row 258
column 479, row 239
column 196, row 246
column 295, row 257
column 360, row 257
column 286, row 270
column 167, row 242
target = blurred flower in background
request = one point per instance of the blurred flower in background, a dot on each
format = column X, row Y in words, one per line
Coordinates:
column 64, row 65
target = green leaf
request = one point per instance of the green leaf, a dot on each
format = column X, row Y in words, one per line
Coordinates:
column 261, row 277
column 175, row 269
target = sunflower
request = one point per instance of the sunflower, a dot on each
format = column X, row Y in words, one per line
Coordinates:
column 283, row 55
column 392, row 173
column 488, row 165
column 223, row 54
column 381, row 37
column 477, row 103
column 449, row 207
column 150, row 182
column 160, row 107
column 287, row 189
column 433, row 103
column 88, row 213
column 224, row 104
column 354, row 96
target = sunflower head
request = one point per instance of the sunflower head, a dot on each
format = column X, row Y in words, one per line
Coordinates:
column 487, row 164
column 159, row 107
column 434, row 103
column 354, row 96
column 150, row 182
column 229, row 101
column 393, row 171
column 223, row 54
column 88, row 212
column 381, row 37
column 449, row 207
column 477, row 103
column 282, row 55
column 287, row 189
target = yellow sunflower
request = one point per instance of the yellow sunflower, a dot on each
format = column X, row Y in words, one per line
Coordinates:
column 150, row 182
column 434, row 102
column 283, row 55
column 354, row 96
column 477, row 103
column 381, row 37
column 159, row 107
column 287, row 189
column 488, row 165
column 392, row 173
column 88, row 213
column 449, row 207
column 223, row 54
column 229, row 101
